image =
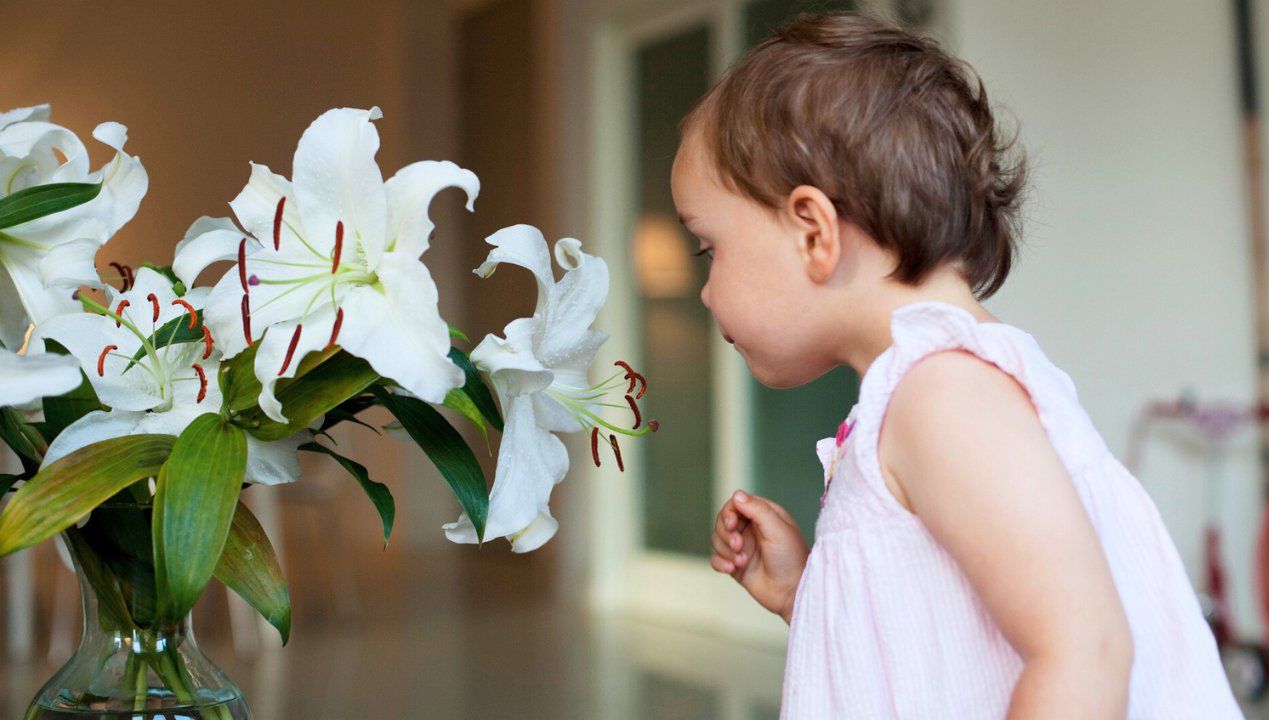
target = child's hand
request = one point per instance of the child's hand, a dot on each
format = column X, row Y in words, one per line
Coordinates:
column 757, row 542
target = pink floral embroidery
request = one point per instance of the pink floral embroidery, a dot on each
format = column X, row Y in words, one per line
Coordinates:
column 843, row 432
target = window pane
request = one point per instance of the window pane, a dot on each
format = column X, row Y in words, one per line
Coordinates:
column 677, row 329
column 787, row 423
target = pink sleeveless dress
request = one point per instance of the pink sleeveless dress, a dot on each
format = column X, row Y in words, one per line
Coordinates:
column 885, row 625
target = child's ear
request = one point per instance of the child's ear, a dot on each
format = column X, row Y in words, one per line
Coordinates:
column 819, row 240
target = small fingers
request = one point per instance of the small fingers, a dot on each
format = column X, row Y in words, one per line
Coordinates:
column 722, row 565
column 722, row 547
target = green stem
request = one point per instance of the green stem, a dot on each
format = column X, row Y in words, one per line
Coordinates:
column 135, row 677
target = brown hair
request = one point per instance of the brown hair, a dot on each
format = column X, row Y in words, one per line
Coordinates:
column 895, row 131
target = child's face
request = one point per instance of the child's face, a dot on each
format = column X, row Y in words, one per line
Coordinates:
column 758, row 290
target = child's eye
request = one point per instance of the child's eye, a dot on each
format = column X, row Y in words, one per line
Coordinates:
column 705, row 251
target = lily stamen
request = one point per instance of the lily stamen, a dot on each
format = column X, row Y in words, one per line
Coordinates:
column 202, row 382
column 101, row 359
column 339, row 246
column 246, row 318
column 207, row 343
column 277, row 224
column 616, row 450
column 594, row 445
column 290, row 351
column 193, row 314
column 154, row 300
column 242, row 266
column 119, row 311
column 334, row 331
column 125, row 275
column 633, row 377
column 634, row 408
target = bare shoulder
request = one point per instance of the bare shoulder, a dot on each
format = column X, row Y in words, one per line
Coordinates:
column 954, row 409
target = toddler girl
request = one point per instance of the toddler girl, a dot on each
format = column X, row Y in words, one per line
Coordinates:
column 980, row 552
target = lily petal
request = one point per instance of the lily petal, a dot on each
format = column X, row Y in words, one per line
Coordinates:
column 207, row 241
column 272, row 362
column 571, row 307
column 86, row 336
column 23, row 114
column 70, row 265
column 274, row 463
column 511, row 363
column 410, row 194
column 27, row 378
column 521, row 245
column 530, row 462
column 94, row 427
column 124, row 181
column 337, row 180
column 256, row 207
column 400, row 331
column 23, row 297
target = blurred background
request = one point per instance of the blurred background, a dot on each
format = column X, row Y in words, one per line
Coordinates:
column 1136, row 278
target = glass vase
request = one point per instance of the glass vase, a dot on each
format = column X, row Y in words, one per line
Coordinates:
column 129, row 665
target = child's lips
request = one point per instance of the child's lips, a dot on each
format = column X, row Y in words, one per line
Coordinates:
column 728, row 338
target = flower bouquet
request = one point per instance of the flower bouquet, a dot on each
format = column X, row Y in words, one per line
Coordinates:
column 141, row 405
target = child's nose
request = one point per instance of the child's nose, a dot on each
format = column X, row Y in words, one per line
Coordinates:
column 705, row 294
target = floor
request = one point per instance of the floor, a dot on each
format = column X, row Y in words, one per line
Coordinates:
column 431, row 630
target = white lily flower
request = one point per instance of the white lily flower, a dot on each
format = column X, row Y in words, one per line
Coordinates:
column 24, row 379
column 332, row 258
column 539, row 371
column 165, row 388
column 59, row 247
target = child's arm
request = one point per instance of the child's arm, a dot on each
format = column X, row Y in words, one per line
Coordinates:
column 970, row 457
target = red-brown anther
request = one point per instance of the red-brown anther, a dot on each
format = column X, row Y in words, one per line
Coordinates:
column 193, row 314
column 616, row 450
column 633, row 377
column 207, row 343
column 654, row 424
column 123, row 276
column 242, row 266
column 594, row 445
column 277, row 223
column 246, row 318
column 101, row 359
column 334, row 331
column 339, row 246
column 119, row 311
column 202, row 382
column 154, row 300
column 634, row 409
column 290, row 351
column 132, row 279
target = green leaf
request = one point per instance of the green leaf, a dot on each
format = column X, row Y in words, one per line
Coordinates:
column 238, row 383
column 193, row 509
column 447, row 449
column 21, row 437
column 249, row 567
column 173, row 332
column 306, row 398
column 7, row 481
column 334, row 416
column 68, row 489
column 377, row 492
column 120, row 536
column 458, row 401
column 40, row 201
column 455, row 333
column 476, row 388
